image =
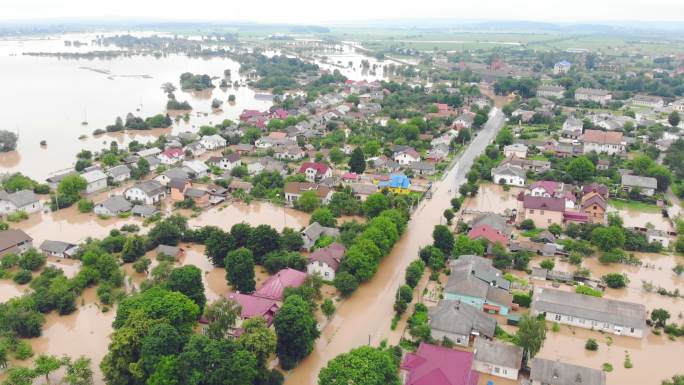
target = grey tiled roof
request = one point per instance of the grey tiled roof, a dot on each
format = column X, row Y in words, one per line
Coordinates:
column 627, row 314
column 453, row 316
column 560, row 373
column 498, row 353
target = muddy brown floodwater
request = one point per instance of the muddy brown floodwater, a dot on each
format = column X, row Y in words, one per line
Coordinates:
column 650, row 352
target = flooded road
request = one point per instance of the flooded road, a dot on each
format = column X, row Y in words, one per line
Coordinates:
column 366, row 316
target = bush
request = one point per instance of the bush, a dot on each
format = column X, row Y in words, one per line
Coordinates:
column 547, row 264
column 414, row 272
column 32, row 260
column 527, row 224
column 522, row 299
column 346, row 283
column 17, row 216
column 591, row 344
column 586, row 290
column 615, row 280
column 85, row 205
column 22, row 277
column 23, row 350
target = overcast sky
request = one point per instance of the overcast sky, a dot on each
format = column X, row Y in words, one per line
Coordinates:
column 325, row 11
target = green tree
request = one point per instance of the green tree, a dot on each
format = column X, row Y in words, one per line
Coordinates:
column 608, row 238
column 324, row 217
column 308, row 202
column 414, row 272
column 504, row 137
column 443, row 239
column 581, row 169
column 615, row 280
column 466, row 246
column 659, row 317
column 328, row 308
column 188, row 280
column 364, row 365
column 449, row 215
column 78, row 372
column 85, row 205
column 258, row 338
column 19, row 375
column 133, row 249
column 263, row 239
column 346, row 283
column 32, row 260
column 158, row 303
column 357, row 161
column 291, row 239
column 375, row 204
column 295, row 327
column 674, row 119
column 240, row 270
column 218, row 243
column 547, row 264
column 531, row 335
column 46, row 364
column 221, row 315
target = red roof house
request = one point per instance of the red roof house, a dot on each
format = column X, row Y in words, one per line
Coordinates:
column 315, row 171
column 252, row 306
column 250, row 114
column 436, row 365
column 489, row 233
column 275, row 285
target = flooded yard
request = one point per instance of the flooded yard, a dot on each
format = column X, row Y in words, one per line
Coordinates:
column 491, row 198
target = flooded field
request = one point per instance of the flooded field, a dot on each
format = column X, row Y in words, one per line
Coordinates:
column 654, row 358
column 491, row 198
column 255, row 213
column 640, row 218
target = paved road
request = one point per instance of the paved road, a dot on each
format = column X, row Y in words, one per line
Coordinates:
column 366, row 316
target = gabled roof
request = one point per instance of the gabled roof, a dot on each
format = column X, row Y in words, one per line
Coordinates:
column 627, row 314
column 19, row 198
column 173, row 153
column 116, row 204
column 330, row 255
column 436, row 365
column 543, row 203
column 396, row 181
column 561, row 373
column 498, row 353
column 253, row 306
column 12, row 237
column 319, row 167
column 93, row 176
column 603, row 137
column 55, row 246
column 454, row 316
column 593, row 199
column 275, row 285
column 150, row 187
column 596, row 187
column 488, row 233
column 509, row 169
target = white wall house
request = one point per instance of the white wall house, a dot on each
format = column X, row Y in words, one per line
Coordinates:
column 23, row 200
column 497, row 358
column 509, row 174
column 406, row 157
column 96, row 179
column 588, row 312
column 148, row 192
column 212, row 142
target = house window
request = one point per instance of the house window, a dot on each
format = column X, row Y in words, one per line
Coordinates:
column 531, row 211
column 558, row 317
column 541, row 212
column 631, row 330
column 496, row 370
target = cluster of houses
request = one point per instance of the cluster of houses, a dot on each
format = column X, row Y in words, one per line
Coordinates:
column 474, row 293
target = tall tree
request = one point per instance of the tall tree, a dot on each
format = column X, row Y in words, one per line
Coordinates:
column 240, row 270
column 674, row 119
column 218, row 243
column 46, row 364
column 221, row 316
column 258, row 339
column 531, row 335
column 357, row 161
column 262, row 240
column 581, row 169
column 443, row 239
column 188, row 280
column 364, row 365
column 295, row 327
column 79, row 372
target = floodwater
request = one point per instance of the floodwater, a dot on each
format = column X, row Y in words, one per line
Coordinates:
column 365, row 317
column 640, row 218
column 654, row 358
column 50, row 97
column 10, row 289
column 255, row 213
column 655, row 268
column 492, row 198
